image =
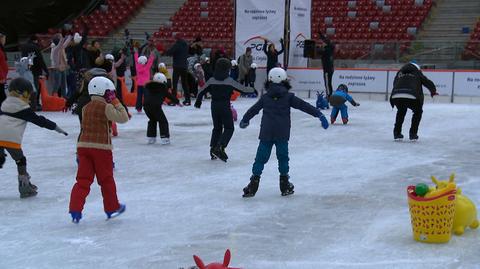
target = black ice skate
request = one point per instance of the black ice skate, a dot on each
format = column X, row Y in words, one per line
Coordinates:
column 213, row 157
column 398, row 137
column 286, row 188
column 26, row 188
column 252, row 187
column 219, row 152
column 413, row 137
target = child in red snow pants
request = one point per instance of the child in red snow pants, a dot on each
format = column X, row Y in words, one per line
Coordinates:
column 91, row 163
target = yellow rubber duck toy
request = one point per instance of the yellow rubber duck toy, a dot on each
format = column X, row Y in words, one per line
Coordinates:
column 465, row 210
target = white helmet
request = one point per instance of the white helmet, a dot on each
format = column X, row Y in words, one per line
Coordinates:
column 207, row 59
column 142, row 60
column 253, row 65
column 77, row 38
column 234, row 63
column 277, row 75
column 109, row 57
column 196, row 65
column 161, row 65
column 24, row 60
column 159, row 77
column 99, row 85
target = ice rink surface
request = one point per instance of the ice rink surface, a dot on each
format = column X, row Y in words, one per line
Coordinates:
column 349, row 209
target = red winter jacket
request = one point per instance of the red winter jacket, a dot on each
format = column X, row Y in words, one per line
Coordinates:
column 3, row 66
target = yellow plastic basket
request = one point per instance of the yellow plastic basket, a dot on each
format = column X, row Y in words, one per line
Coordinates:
column 432, row 218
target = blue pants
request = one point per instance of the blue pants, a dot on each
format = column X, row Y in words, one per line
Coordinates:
column 263, row 154
column 139, row 103
column 343, row 110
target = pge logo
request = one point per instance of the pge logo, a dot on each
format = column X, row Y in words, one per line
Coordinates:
column 256, row 42
column 300, row 41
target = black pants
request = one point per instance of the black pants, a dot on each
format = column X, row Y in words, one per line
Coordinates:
column 156, row 115
column 181, row 73
column 402, row 105
column 118, row 91
column 3, row 96
column 18, row 157
column 327, row 77
column 222, row 124
column 36, row 83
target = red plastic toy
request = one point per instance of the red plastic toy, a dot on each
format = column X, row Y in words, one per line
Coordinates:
column 215, row 265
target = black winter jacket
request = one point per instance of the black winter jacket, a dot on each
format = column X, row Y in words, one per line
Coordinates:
column 179, row 52
column 327, row 54
column 409, row 80
column 272, row 58
column 155, row 94
column 221, row 85
column 276, row 104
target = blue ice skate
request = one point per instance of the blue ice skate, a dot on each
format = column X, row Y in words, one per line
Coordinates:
column 76, row 216
column 117, row 212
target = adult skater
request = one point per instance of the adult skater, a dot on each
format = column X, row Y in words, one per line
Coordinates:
column 275, row 128
column 179, row 52
column 272, row 54
column 15, row 112
column 327, row 50
column 94, row 148
column 407, row 93
column 221, row 87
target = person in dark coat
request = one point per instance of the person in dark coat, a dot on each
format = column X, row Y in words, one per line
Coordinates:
column 207, row 68
column 326, row 52
column 275, row 128
column 38, row 68
column 407, row 93
column 221, row 87
column 272, row 54
column 155, row 93
column 77, row 59
column 179, row 52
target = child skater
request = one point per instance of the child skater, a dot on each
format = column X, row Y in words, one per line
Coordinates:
column 143, row 66
column 162, row 68
column 221, row 87
column 15, row 112
column 94, row 148
column 337, row 100
column 155, row 93
column 275, row 128
column 250, row 79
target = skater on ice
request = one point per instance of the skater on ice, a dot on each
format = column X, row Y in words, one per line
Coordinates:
column 407, row 93
column 338, row 100
column 221, row 87
column 155, row 93
column 15, row 112
column 94, row 148
column 275, row 128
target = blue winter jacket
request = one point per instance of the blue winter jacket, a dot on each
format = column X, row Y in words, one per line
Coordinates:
column 276, row 104
column 339, row 98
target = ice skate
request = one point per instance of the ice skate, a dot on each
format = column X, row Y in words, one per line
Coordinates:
column 286, row 187
column 344, row 120
column 213, row 157
column 26, row 188
column 116, row 213
column 398, row 137
column 76, row 216
column 413, row 137
column 219, row 152
column 251, row 189
column 165, row 141
column 151, row 140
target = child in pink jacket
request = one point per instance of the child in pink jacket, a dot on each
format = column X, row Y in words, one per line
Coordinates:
column 143, row 67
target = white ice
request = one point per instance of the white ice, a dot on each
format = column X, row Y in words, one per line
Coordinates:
column 349, row 209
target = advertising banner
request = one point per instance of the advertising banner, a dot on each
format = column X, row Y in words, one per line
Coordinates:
column 300, row 28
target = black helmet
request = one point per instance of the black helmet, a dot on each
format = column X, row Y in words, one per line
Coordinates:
column 20, row 86
column 342, row 87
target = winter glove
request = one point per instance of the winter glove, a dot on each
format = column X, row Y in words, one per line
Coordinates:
column 198, row 104
column 243, row 124
column 109, row 96
column 432, row 94
column 2, row 159
column 60, row 130
column 324, row 121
